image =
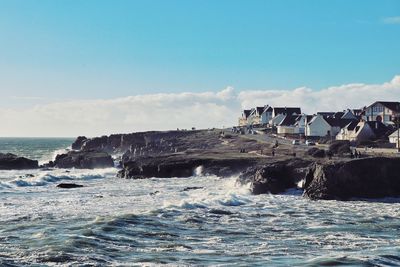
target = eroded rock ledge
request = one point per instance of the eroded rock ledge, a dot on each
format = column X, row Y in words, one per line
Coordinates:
column 361, row 178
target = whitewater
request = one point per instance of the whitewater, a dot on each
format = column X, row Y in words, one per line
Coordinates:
column 199, row 220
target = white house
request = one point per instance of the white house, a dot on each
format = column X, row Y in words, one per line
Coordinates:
column 394, row 138
column 255, row 116
column 276, row 120
column 362, row 131
column 318, row 126
column 266, row 115
column 382, row 111
column 243, row 120
column 287, row 125
column 301, row 122
column 325, row 126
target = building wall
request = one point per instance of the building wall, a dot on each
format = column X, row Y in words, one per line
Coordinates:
column 318, row 127
column 286, row 130
column 372, row 112
column 266, row 117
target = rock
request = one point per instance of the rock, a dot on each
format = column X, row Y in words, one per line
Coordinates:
column 339, row 147
column 69, row 185
column 182, row 166
column 360, row 178
column 84, row 160
column 13, row 162
column 77, row 144
column 192, row 188
column 279, row 176
column 316, row 152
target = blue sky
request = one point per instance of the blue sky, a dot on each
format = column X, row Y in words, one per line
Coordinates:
column 93, row 67
column 103, row 49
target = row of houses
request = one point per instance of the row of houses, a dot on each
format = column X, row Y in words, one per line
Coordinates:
column 371, row 122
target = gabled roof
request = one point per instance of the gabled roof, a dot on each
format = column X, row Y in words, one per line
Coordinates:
column 246, row 113
column 286, row 110
column 267, row 108
column 352, row 125
column 335, row 122
column 289, row 120
column 338, row 114
column 395, row 106
column 378, row 128
column 260, row 110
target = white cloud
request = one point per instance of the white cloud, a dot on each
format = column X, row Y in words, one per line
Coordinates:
column 180, row 110
column 391, row 20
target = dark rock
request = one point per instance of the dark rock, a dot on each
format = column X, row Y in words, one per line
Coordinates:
column 182, row 166
column 361, row 178
column 316, row 152
column 83, row 160
column 69, row 185
column 77, row 144
column 13, row 162
column 339, row 147
column 192, row 188
column 279, row 176
column 220, row 212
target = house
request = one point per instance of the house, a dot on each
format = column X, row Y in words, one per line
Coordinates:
column 362, row 131
column 287, row 125
column 276, row 120
column 266, row 115
column 279, row 113
column 394, row 138
column 347, row 132
column 255, row 116
column 382, row 111
column 325, row 126
column 243, row 120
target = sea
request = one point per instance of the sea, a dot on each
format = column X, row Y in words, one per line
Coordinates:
column 194, row 221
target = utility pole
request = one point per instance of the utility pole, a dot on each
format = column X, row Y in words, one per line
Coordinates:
column 397, row 121
column 398, row 132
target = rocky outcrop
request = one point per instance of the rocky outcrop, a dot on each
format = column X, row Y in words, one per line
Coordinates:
column 78, row 143
column 69, row 185
column 279, row 176
column 183, row 166
column 13, row 162
column 361, row 178
column 83, row 160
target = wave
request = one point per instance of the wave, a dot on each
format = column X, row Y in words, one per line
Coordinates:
column 52, row 156
column 43, row 178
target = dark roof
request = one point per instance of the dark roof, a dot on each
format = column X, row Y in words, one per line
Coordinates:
column 335, row 122
column 260, row 110
column 267, row 108
column 286, row 110
column 352, row 125
column 338, row 115
column 326, row 114
column 246, row 113
column 395, row 106
column 289, row 120
column 379, row 128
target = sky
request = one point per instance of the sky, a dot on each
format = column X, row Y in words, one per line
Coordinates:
column 96, row 67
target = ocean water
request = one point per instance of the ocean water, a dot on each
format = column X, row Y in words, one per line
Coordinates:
column 200, row 220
